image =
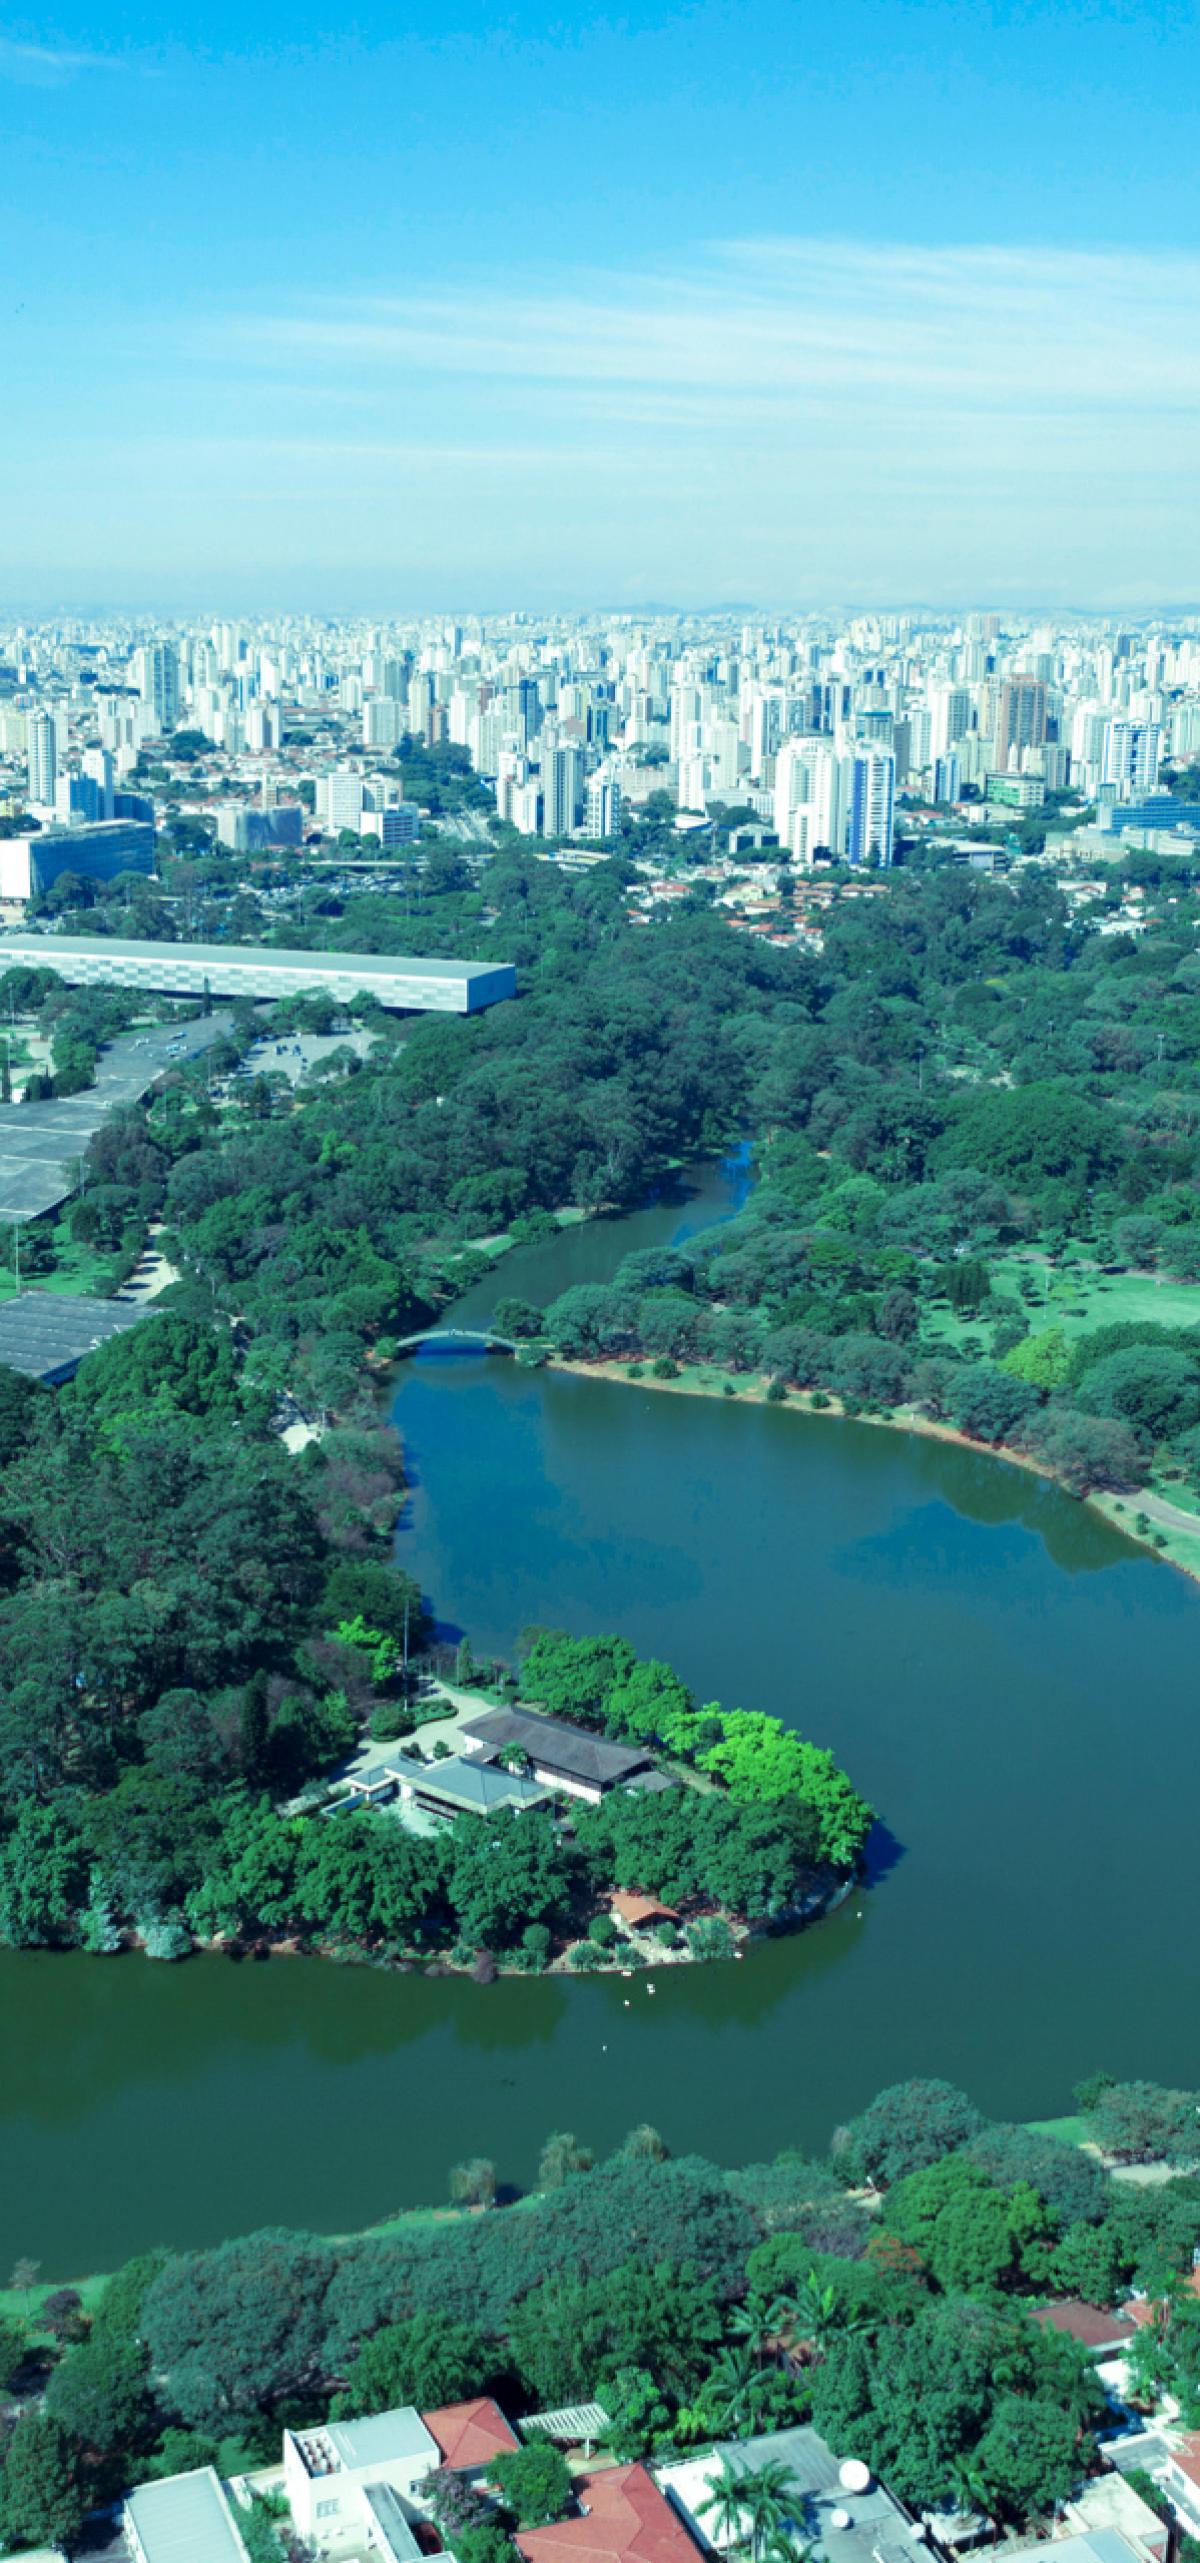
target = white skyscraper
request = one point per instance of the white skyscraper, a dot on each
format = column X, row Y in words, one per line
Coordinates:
column 41, row 749
column 603, row 813
column 1131, row 755
column 870, row 816
column 561, row 782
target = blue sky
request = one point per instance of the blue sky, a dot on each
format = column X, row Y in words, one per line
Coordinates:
column 781, row 304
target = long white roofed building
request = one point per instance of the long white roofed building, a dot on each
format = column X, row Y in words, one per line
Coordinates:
column 401, row 984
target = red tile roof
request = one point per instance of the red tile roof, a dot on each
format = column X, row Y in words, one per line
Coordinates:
column 470, row 2434
column 634, row 1908
column 628, row 2521
column 1087, row 2324
column 1187, row 2457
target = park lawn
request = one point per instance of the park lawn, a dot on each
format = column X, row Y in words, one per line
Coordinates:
column 1180, row 1548
column 80, row 1272
column 1065, row 2131
column 1076, row 1297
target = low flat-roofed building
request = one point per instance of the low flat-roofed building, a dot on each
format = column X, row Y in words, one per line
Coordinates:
column 465, row 1786
column 186, row 2519
column 1107, row 2502
column 98, row 851
column 862, row 2525
column 560, row 1755
column 349, row 2485
column 401, row 985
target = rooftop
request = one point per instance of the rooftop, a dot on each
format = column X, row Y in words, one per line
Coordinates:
column 187, row 2519
column 625, row 2520
column 1090, row 2325
column 556, row 1744
column 52, row 949
column 470, row 2434
column 875, row 2529
column 46, row 1335
column 480, row 1785
column 381, row 2438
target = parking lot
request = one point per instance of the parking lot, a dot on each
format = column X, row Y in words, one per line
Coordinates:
column 41, row 1143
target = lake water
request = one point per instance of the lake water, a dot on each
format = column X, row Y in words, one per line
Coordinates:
column 1009, row 1681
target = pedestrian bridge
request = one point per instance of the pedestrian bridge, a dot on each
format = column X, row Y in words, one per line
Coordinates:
column 457, row 1339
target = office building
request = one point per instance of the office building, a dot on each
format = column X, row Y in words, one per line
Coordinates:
column 30, row 865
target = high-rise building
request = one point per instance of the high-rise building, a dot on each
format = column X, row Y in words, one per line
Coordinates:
column 158, row 684
column 871, row 805
column 382, row 722
column 41, row 751
column 561, row 782
column 1131, row 758
column 1020, row 719
column 603, row 810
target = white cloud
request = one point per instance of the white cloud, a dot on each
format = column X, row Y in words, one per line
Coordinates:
column 796, row 319
column 780, row 419
column 47, row 66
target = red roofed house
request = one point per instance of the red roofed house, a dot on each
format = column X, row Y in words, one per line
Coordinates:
column 1180, row 2479
column 1102, row 2334
column 471, row 2434
column 626, row 2519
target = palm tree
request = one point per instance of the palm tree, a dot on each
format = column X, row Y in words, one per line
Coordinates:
column 782, row 2546
column 760, row 2321
column 817, row 2315
column 772, row 2496
column 730, row 2386
column 973, row 2490
column 726, row 2502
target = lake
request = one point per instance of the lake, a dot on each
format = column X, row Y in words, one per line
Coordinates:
column 1008, row 1679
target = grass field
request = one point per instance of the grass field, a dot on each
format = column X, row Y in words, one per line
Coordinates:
column 79, row 1270
column 1074, row 1296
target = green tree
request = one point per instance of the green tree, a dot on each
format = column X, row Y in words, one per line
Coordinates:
column 44, row 2501
column 534, row 2483
column 101, row 2395
column 1031, row 2455
column 427, row 2360
column 905, row 2129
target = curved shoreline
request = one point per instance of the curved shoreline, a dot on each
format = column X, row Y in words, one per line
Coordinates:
column 751, row 1387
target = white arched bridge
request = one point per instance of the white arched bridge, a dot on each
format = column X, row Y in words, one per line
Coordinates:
column 457, row 1339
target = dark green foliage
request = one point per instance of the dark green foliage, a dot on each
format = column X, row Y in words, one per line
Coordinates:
column 534, row 2483
column 426, row 2361
column 914, row 2400
column 43, row 2502
column 1071, row 2182
column 905, row 2129
column 100, row 2394
column 231, row 2331
column 1140, row 2122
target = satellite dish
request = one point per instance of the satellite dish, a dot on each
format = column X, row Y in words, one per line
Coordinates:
column 839, row 2518
column 854, row 2476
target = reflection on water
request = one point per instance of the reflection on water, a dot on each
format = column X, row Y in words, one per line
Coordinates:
column 975, row 1646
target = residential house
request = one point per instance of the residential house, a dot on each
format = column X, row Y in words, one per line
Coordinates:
column 623, row 2518
column 352, row 2487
